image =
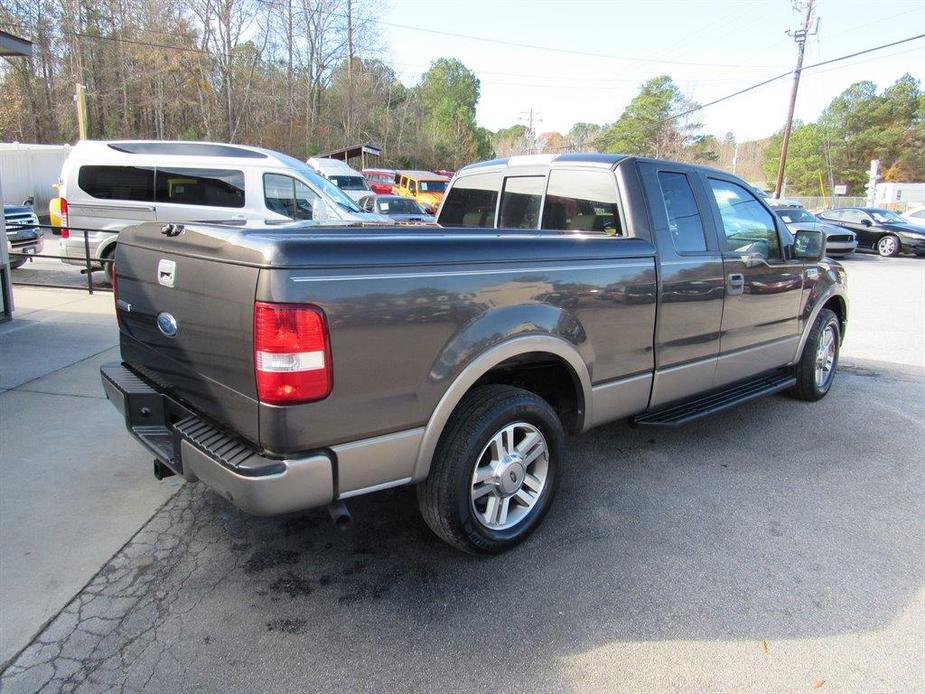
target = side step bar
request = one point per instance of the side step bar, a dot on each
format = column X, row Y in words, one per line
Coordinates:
column 681, row 413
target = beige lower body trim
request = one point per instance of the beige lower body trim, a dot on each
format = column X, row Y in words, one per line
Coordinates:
column 377, row 462
column 754, row 360
column 619, row 399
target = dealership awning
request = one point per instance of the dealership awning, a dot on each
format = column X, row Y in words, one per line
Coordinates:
column 355, row 152
column 13, row 45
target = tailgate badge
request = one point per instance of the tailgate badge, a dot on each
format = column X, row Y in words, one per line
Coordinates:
column 167, row 324
column 166, row 272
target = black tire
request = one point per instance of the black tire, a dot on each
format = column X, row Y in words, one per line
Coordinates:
column 107, row 267
column 445, row 496
column 888, row 250
column 807, row 386
column 17, row 262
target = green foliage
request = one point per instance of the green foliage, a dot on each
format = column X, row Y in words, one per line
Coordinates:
column 857, row 126
column 650, row 126
column 448, row 94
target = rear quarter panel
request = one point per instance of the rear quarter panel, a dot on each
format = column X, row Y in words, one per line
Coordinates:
column 401, row 334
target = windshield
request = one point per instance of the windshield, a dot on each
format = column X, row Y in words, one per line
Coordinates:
column 433, row 186
column 399, row 206
column 349, row 182
column 795, row 215
column 887, row 217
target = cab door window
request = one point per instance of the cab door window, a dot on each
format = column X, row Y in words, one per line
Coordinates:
column 289, row 197
column 748, row 227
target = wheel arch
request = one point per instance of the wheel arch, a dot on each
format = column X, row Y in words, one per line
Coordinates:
column 503, row 364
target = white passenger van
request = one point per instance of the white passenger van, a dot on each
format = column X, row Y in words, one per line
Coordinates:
column 107, row 186
column 348, row 179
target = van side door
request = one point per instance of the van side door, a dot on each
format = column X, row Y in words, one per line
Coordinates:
column 691, row 282
column 760, row 329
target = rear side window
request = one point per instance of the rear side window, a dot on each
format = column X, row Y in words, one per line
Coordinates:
column 471, row 202
column 684, row 222
column 207, row 187
column 520, row 202
column 117, row 182
column 582, row 201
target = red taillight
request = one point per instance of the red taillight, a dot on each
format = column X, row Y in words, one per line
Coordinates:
column 65, row 232
column 292, row 355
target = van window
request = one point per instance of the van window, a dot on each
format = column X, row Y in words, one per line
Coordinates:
column 413, row 187
column 117, row 182
column 520, row 202
column 349, row 182
column 433, row 186
column 208, row 187
column 582, row 201
column 684, row 223
column 471, row 202
column 288, row 196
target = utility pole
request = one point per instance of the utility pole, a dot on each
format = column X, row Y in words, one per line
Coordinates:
column 799, row 35
column 81, row 99
column 531, row 118
column 349, row 128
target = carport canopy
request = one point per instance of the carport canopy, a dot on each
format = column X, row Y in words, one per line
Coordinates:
column 13, row 45
column 355, row 152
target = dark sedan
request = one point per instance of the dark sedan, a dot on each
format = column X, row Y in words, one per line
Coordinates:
column 883, row 230
column 399, row 208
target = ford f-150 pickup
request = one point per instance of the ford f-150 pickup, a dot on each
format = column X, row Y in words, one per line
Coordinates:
column 292, row 367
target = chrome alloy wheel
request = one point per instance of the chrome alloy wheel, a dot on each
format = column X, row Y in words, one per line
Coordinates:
column 509, row 476
column 887, row 245
column 825, row 357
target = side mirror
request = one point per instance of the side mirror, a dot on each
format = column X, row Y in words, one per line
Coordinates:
column 808, row 245
column 866, row 222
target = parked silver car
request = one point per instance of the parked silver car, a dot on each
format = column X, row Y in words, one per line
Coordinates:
column 838, row 240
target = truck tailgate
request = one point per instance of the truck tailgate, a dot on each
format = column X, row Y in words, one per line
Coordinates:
column 186, row 322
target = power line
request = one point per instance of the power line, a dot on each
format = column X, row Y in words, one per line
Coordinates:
column 787, row 74
column 558, row 50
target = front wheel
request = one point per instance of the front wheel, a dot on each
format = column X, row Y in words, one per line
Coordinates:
column 816, row 369
column 495, row 470
column 888, row 246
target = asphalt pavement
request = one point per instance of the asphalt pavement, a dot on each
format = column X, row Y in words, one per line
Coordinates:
column 777, row 547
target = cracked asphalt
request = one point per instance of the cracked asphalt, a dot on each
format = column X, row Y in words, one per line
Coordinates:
column 777, row 547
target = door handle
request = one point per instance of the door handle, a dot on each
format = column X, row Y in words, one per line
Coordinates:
column 735, row 284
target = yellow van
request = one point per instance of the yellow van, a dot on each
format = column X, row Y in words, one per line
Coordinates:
column 426, row 187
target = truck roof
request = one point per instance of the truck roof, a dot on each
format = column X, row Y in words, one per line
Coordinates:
column 592, row 158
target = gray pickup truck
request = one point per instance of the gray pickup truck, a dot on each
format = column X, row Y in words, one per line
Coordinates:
column 294, row 367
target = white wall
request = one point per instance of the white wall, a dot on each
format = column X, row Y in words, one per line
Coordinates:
column 30, row 170
column 900, row 192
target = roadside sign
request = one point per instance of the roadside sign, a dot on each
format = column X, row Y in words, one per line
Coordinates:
column 840, row 190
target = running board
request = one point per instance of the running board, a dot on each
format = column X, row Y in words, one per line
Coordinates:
column 705, row 405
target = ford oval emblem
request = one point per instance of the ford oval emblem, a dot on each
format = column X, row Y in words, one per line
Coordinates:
column 167, row 324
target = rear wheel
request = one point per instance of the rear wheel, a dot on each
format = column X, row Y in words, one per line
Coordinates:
column 107, row 266
column 815, row 371
column 495, row 470
column 888, row 246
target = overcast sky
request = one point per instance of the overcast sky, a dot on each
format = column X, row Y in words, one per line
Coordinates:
column 709, row 47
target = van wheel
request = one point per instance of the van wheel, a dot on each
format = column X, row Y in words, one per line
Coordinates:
column 107, row 267
column 495, row 471
column 816, row 369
